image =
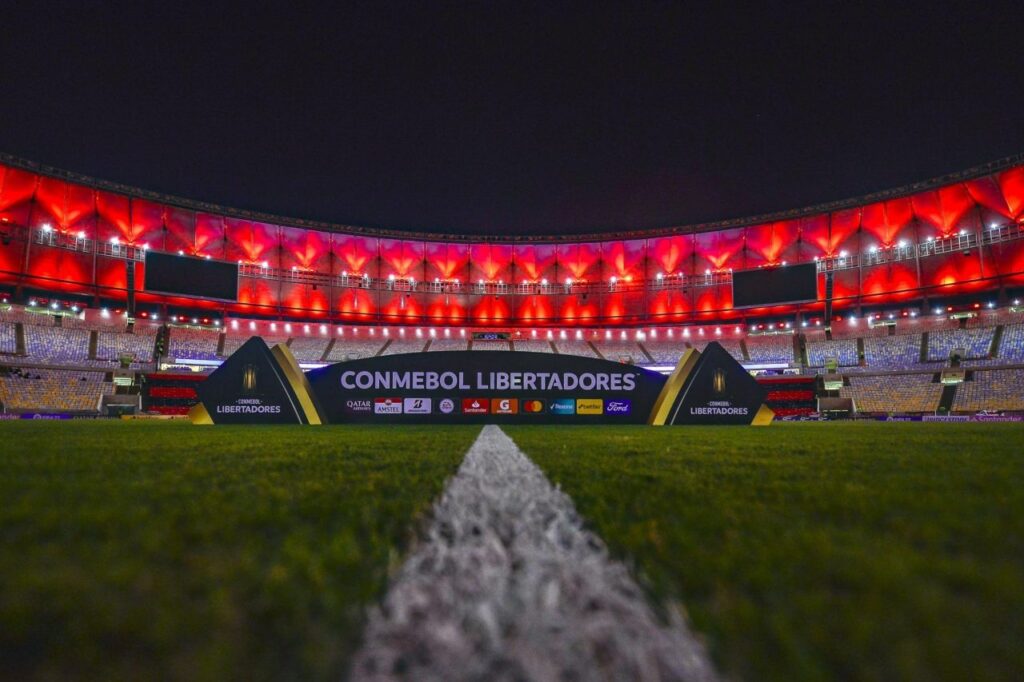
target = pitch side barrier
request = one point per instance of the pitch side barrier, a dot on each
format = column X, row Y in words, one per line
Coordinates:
column 260, row 385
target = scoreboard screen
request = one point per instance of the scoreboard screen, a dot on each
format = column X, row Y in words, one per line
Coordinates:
column 187, row 276
column 773, row 286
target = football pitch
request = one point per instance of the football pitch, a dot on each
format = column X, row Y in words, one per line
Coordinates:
column 860, row 551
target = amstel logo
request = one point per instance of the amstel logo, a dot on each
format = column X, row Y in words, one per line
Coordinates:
column 387, row 406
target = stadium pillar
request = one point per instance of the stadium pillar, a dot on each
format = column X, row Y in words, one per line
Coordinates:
column 828, row 299
column 130, row 284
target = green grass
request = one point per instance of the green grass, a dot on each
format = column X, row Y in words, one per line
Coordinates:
column 857, row 551
column 162, row 550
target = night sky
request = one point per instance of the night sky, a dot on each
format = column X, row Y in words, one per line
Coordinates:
column 512, row 118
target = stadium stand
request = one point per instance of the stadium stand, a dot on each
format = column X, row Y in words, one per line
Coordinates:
column 401, row 345
column 731, row 345
column 8, row 339
column 112, row 345
column 353, row 349
column 491, row 344
column 1011, row 347
column 168, row 393
column 665, row 351
column 894, row 393
column 188, row 342
column 897, row 352
column 309, row 348
column 566, row 347
column 448, row 344
column 533, row 346
column 55, row 345
column 233, row 342
column 49, row 389
column 790, row 395
column 843, row 350
column 976, row 342
column 621, row 351
column 770, row 348
column 997, row 389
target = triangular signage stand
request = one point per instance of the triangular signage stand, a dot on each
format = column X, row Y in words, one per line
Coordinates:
column 711, row 387
column 255, row 385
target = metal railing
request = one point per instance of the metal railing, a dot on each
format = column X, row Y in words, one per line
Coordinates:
column 902, row 251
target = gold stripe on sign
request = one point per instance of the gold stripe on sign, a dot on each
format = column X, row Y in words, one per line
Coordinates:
column 297, row 379
column 676, row 382
column 199, row 415
column 764, row 416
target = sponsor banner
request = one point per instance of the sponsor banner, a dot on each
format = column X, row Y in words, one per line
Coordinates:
column 358, row 406
column 387, row 406
column 475, row 406
column 945, row 418
column 618, row 407
column 563, row 406
column 510, row 386
column 505, row 406
column 997, row 418
column 416, row 405
column 899, row 418
column 46, row 415
column 589, row 406
column 533, row 406
column 465, row 387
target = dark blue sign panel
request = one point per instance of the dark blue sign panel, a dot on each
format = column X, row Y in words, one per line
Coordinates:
column 476, row 388
column 258, row 385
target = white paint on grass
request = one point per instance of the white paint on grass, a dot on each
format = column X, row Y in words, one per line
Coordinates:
column 508, row 585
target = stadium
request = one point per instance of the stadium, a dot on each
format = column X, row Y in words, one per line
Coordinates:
column 912, row 315
column 914, row 309
column 511, row 342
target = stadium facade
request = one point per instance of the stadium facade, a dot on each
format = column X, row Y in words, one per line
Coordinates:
column 953, row 237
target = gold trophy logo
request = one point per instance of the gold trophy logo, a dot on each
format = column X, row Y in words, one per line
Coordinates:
column 249, row 379
column 718, row 382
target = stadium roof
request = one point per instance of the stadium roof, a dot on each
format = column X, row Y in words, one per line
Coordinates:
column 853, row 202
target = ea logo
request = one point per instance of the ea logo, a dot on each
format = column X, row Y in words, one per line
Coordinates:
column 447, row 406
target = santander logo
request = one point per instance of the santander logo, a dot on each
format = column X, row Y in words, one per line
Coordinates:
column 475, row 406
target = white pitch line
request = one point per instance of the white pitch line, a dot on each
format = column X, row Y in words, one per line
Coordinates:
column 508, row 585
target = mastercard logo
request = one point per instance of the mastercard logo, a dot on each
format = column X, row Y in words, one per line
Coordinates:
column 533, row 406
